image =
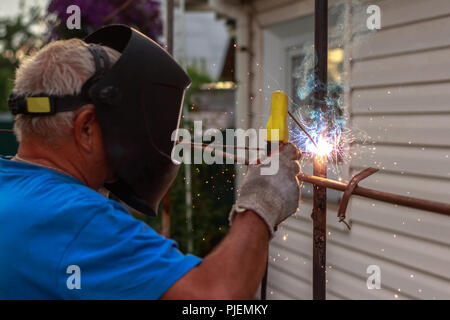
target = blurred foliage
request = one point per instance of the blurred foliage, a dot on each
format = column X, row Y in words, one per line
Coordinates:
column 18, row 38
column 199, row 75
column 6, row 85
column 8, row 142
column 212, row 191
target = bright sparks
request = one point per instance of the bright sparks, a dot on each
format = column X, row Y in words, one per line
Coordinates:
column 323, row 147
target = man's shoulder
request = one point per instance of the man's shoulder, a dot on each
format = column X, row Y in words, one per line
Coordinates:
column 78, row 201
column 42, row 194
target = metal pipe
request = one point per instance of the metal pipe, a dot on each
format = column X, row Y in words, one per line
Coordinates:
column 213, row 146
column 319, row 217
column 410, row 202
column 225, row 155
column 319, row 214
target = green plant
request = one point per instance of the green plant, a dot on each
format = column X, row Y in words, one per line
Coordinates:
column 199, row 75
column 19, row 36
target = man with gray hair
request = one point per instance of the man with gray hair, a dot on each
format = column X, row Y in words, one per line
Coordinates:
column 98, row 115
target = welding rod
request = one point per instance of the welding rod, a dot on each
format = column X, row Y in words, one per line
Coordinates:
column 214, row 151
column 302, row 128
column 200, row 145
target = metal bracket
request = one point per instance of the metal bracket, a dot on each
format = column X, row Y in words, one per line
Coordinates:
column 349, row 191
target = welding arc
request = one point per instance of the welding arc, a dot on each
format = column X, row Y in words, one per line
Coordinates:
column 302, row 128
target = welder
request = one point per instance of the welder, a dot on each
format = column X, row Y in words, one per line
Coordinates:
column 93, row 118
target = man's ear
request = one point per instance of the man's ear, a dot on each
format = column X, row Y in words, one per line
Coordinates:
column 86, row 130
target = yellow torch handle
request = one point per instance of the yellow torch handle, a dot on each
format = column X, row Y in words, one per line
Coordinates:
column 278, row 118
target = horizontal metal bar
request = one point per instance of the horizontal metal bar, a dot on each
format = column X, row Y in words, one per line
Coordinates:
column 416, row 203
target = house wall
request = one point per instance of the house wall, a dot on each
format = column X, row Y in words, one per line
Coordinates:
column 400, row 97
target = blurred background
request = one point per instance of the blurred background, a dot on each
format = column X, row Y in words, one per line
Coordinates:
column 390, row 90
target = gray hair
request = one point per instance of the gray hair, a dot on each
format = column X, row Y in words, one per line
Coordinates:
column 60, row 68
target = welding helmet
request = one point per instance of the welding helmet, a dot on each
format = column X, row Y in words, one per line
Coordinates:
column 138, row 103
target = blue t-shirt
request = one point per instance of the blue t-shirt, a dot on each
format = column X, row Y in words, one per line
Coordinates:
column 60, row 239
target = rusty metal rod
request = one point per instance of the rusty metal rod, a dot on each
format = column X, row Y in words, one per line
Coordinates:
column 319, row 213
column 225, row 155
column 319, row 217
column 213, row 146
column 405, row 201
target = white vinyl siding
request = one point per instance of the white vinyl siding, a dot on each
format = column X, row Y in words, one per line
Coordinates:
column 400, row 97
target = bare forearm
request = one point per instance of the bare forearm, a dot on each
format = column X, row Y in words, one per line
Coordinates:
column 240, row 259
column 234, row 269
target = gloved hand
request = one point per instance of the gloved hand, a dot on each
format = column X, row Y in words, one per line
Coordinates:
column 273, row 197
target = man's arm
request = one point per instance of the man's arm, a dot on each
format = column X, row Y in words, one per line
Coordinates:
column 235, row 267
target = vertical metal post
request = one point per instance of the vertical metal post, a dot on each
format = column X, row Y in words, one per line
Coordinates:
column 169, row 20
column 166, row 200
column 319, row 214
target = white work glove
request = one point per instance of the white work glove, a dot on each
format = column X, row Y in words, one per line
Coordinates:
column 273, row 197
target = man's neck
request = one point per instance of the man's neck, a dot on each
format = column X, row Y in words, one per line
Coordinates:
column 53, row 159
